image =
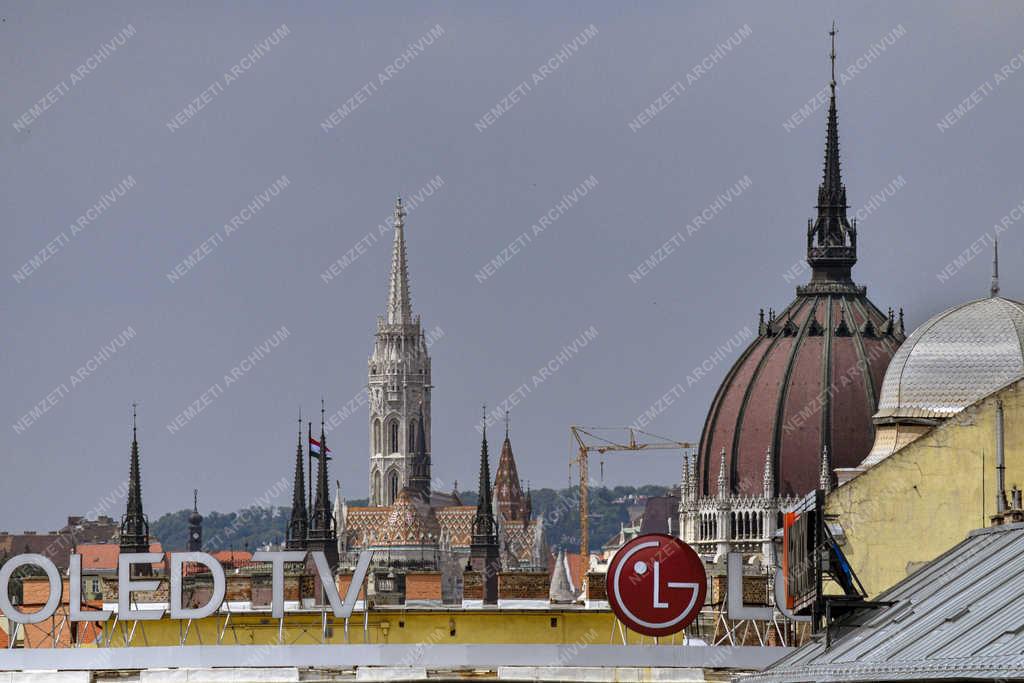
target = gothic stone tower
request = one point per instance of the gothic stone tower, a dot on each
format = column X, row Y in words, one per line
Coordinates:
column 399, row 384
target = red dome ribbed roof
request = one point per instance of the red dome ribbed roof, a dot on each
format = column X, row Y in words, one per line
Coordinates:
column 797, row 388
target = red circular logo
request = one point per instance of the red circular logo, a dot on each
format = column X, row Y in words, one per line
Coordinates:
column 656, row 584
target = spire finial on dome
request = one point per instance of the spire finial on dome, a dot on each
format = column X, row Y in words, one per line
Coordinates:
column 994, row 287
column 831, row 238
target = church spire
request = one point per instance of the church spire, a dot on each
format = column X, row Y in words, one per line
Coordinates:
column 993, row 289
column 298, row 525
column 134, row 525
column 483, row 550
column 483, row 524
column 831, row 239
column 322, row 534
column 399, row 301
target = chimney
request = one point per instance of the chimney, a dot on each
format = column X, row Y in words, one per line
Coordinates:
column 1000, row 461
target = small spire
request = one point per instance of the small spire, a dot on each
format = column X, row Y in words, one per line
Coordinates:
column 399, row 310
column 825, row 477
column 684, row 488
column 506, row 425
column 721, row 474
column 195, row 500
column 902, row 329
column 769, row 474
column 134, row 405
column 994, row 288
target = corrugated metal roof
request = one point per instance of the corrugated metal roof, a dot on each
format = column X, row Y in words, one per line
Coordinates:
column 960, row 616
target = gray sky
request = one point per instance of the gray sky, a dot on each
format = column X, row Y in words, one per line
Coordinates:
column 727, row 122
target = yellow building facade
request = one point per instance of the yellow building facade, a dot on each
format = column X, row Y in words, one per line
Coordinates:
column 430, row 626
column 924, row 498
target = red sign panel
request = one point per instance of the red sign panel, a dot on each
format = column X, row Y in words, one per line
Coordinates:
column 656, row 585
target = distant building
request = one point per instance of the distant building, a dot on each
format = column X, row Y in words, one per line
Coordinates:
column 58, row 545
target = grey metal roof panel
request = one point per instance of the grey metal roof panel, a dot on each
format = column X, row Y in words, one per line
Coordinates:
column 959, row 616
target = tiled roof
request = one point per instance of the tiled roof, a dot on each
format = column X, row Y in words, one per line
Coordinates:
column 409, row 523
column 103, row 556
column 507, row 489
column 234, row 558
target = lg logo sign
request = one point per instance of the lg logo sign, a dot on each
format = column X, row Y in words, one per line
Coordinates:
column 656, row 585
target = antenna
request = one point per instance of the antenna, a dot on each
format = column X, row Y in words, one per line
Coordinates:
column 832, row 55
column 994, row 287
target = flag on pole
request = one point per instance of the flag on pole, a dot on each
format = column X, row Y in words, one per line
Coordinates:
column 314, row 449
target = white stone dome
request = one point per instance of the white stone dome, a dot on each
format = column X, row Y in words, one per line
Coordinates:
column 958, row 357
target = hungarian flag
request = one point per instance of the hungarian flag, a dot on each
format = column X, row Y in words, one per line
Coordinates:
column 314, row 448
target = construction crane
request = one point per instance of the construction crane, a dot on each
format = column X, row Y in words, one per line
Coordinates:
column 590, row 442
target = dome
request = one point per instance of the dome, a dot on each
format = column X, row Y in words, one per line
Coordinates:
column 811, row 378
column 959, row 356
column 799, row 387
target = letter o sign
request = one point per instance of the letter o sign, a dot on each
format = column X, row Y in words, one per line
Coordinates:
column 56, row 588
column 656, row 585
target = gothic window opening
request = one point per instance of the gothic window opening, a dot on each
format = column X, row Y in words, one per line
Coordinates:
column 393, row 436
column 376, row 436
column 392, row 486
column 376, row 488
column 412, row 437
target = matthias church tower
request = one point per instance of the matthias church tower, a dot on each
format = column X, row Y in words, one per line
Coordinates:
column 399, row 389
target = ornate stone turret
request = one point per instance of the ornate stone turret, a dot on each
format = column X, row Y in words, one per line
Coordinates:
column 134, row 537
column 195, row 525
column 399, row 382
column 483, row 550
column 298, row 525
